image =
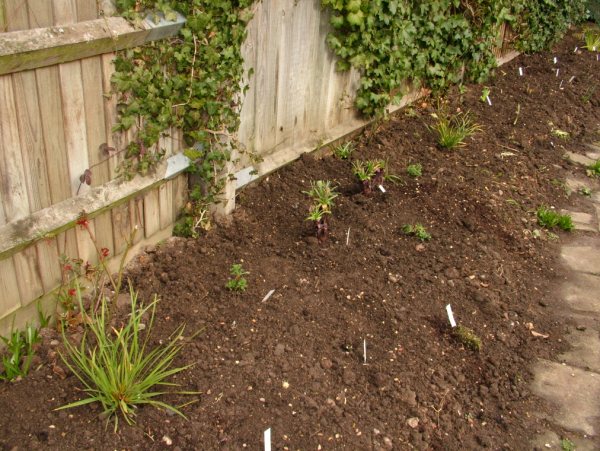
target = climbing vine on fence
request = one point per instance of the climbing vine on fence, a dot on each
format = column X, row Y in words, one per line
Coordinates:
column 191, row 82
column 434, row 43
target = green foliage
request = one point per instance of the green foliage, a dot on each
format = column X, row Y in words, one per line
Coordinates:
column 593, row 170
column 549, row 219
column 585, row 191
column 467, row 337
column 343, row 151
column 417, row 230
column 434, row 43
column 190, row 82
column 415, row 170
column 116, row 366
column 19, row 352
column 485, row 92
column 237, row 282
column 322, row 192
column 195, row 216
column 592, row 39
column 453, row 130
column 567, row 445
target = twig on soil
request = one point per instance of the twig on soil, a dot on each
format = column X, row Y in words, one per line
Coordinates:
column 518, row 112
column 509, row 148
column 348, row 236
column 437, row 411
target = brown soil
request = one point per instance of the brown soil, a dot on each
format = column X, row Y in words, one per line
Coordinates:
column 294, row 363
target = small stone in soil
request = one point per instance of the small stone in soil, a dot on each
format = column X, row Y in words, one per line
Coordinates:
column 413, row 422
column 326, row 363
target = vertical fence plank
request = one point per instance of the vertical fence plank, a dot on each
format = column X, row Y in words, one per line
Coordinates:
column 9, row 301
column 165, row 195
column 16, row 15
column 151, row 213
column 2, row 16
column 121, row 225
column 14, row 192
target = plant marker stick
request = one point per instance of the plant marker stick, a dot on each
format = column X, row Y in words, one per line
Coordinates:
column 267, row 437
column 269, row 294
column 489, row 101
column 560, row 86
column 571, row 79
column 575, row 51
column 365, row 351
column 555, row 60
column 557, row 71
column 348, row 236
column 450, row 316
column 382, row 188
column 520, row 71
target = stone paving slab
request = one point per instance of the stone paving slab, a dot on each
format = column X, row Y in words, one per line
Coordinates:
column 579, row 159
column 583, row 221
column 585, row 351
column 582, row 258
column 582, row 293
column 575, row 394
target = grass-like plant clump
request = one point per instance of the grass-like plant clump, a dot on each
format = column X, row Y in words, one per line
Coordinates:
column 237, row 281
column 453, row 130
column 593, row 170
column 549, row 219
column 116, row 366
column 19, row 352
column 343, row 151
column 414, row 170
column 592, row 39
column 417, row 230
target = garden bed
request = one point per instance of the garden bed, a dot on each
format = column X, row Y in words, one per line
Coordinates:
column 295, row 361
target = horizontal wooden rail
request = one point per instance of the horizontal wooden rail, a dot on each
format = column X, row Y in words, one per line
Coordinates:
column 57, row 218
column 39, row 47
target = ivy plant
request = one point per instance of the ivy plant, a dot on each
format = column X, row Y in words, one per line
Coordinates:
column 190, row 82
column 434, row 43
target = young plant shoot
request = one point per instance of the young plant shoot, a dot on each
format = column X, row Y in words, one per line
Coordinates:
column 370, row 174
column 322, row 193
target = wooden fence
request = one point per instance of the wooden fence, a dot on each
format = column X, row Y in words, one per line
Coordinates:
column 55, row 119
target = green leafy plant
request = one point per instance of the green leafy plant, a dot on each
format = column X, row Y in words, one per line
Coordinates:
column 116, row 365
column 593, row 170
column 417, row 230
column 19, row 352
column 467, row 337
column 560, row 133
column 370, row 173
column 237, row 282
column 585, row 191
column 414, row 170
column 322, row 193
column 195, row 216
column 343, row 151
column 567, row 445
column 453, row 130
column 434, row 43
column 485, row 93
column 549, row 219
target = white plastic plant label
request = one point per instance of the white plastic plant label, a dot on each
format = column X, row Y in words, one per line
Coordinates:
column 520, row 71
column 489, row 101
column 450, row 316
column 382, row 188
column 365, row 351
column 267, row 438
column 555, row 60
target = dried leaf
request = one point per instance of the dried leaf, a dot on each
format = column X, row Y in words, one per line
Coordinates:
column 537, row 334
column 86, row 177
column 107, row 150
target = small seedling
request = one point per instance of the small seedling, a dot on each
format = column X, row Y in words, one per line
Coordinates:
column 560, row 133
column 567, row 445
column 467, row 337
column 586, row 97
column 593, row 170
column 549, row 219
column 370, row 173
column 417, row 230
column 322, row 193
column 453, row 130
column 343, row 151
column 485, row 94
column 414, row 170
column 19, row 352
column 585, row 191
column 238, row 282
